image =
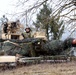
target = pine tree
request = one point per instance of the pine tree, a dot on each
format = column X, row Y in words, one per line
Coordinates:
column 43, row 19
column 56, row 27
column 52, row 24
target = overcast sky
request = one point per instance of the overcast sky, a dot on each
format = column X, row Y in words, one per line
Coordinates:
column 7, row 6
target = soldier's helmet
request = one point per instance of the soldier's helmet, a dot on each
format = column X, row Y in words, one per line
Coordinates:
column 4, row 16
column 28, row 30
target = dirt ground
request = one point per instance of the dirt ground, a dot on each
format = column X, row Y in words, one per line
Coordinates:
column 44, row 69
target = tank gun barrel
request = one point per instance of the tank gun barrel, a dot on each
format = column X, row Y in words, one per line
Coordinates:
column 27, row 40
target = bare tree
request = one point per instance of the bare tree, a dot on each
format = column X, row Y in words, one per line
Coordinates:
column 66, row 9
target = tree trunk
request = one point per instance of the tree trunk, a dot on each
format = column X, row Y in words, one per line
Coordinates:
column 47, row 32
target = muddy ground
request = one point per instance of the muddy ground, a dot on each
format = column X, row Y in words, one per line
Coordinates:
column 44, row 69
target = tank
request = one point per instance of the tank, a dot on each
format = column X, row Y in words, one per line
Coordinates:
column 32, row 44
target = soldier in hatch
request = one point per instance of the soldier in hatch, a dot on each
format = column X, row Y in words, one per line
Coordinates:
column 27, row 34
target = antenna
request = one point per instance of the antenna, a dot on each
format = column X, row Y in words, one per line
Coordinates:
column 26, row 19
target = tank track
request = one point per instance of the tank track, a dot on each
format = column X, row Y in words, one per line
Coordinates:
column 25, row 61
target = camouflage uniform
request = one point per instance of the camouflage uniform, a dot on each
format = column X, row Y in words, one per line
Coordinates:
column 26, row 35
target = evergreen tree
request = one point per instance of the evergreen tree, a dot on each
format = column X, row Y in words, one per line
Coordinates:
column 56, row 27
column 43, row 19
column 52, row 24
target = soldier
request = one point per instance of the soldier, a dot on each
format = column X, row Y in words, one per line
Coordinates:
column 4, row 21
column 27, row 34
column 18, row 23
column 15, row 24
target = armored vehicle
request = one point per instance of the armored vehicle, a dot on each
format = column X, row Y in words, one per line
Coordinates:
column 29, row 43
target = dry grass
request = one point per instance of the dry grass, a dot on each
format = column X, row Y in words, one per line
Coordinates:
column 44, row 69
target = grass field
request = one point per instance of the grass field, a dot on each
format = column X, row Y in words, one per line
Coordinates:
column 44, row 69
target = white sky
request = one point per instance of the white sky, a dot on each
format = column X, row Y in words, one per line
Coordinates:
column 7, row 6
